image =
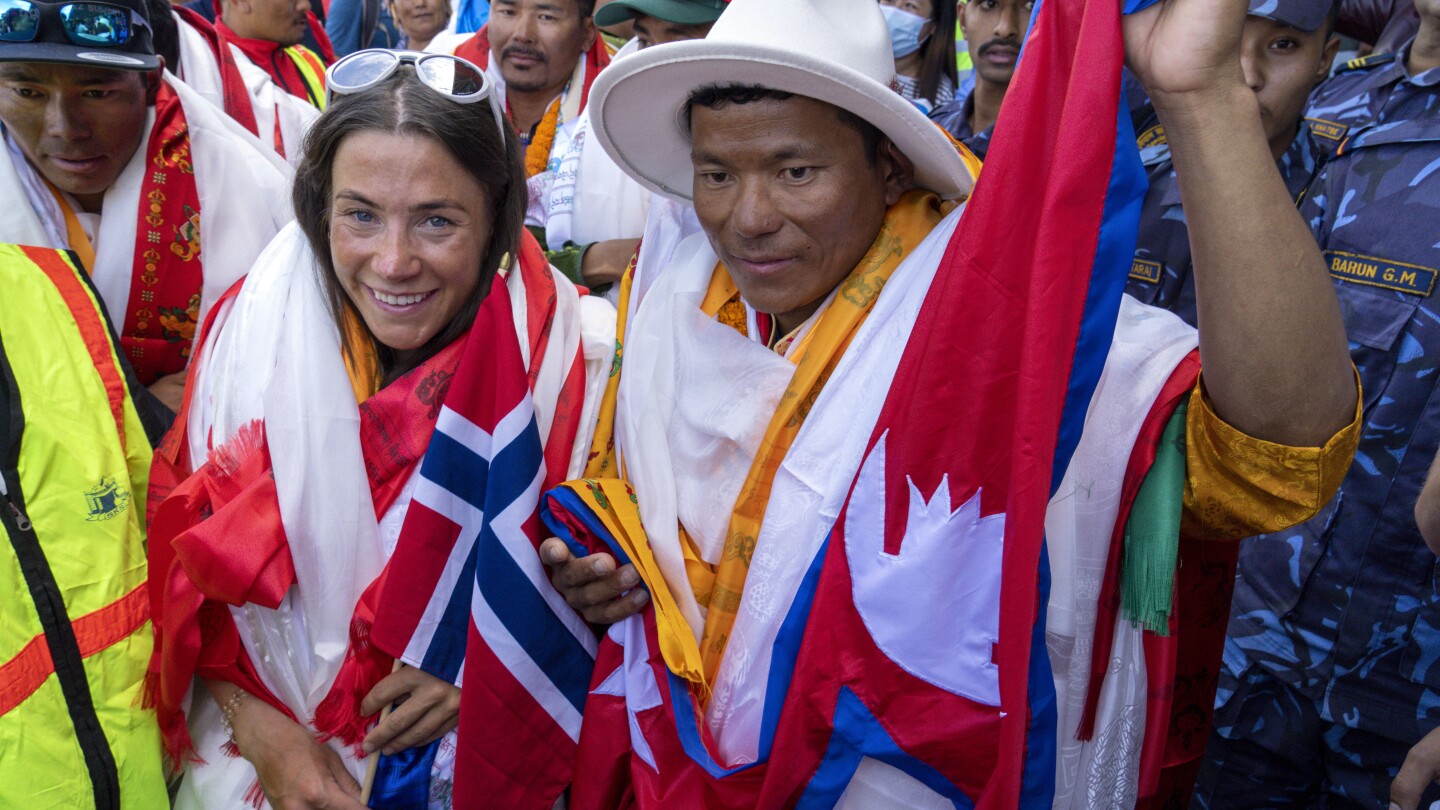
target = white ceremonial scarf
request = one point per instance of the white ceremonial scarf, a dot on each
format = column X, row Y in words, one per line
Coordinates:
column 274, row 354
column 244, row 201
column 1103, row 772
column 275, row 106
column 591, row 199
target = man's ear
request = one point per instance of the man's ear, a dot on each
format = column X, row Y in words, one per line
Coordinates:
column 899, row 171
column 152, row 83
column 960, row 18
column 591, row 34
column 1327, row 58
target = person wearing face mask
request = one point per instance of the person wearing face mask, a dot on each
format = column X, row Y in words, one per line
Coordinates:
column 922, row 34
column 993, row 30
column 356, row 345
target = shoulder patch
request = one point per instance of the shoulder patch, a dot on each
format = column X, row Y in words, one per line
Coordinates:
column 1370, row 61
column 1329, row 130
column 1377, row 272
column 1154, row 136
column 1146, row 270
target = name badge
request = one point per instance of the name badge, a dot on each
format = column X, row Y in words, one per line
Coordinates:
column 1154, row 136
column 1329, row 130
column 1406, row 278
column 1146, row 270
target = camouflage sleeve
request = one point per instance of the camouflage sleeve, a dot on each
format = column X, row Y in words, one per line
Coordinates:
column 1237, row 486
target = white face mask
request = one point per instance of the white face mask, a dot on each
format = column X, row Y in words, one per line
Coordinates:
column 904, row 30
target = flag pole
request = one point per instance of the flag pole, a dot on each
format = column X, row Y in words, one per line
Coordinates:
column 372, row 760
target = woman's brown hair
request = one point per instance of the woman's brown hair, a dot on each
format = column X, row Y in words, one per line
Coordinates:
column 404, row 106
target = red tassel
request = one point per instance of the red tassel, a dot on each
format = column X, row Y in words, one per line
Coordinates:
column 255, row 796
column 338, row 715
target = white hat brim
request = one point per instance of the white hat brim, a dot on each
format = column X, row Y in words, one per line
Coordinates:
column 637, row 109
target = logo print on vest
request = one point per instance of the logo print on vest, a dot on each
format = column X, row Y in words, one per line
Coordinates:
column 106, row 500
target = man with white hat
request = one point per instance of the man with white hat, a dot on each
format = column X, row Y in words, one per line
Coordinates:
column 825, row 203
column 165, row 198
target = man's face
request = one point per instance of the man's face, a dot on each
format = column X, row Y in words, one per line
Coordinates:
column 1282, row 65
column 280, row 21
column 78, row 126
column 655, row 31
column 421, row 19
column 789, row 198
column 993, row 30
column 538, row 41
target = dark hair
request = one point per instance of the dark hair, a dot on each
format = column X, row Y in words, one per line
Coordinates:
column 937, row 55
column 404, row 106
column 715, row 96
column 587, row 8
column 166, row 39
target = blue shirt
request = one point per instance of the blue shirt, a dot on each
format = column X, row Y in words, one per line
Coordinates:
column 343, row 27
column 954, row 116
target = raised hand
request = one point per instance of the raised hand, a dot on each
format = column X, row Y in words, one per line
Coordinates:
column 1185, row 46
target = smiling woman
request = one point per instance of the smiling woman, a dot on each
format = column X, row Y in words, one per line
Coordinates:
column 409, row 207
column 409, row 202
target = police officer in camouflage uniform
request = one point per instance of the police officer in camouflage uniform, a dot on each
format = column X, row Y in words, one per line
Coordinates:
column 1287, row 49
column 1332, row 666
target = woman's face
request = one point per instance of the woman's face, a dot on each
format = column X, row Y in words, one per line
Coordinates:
column 409, row 227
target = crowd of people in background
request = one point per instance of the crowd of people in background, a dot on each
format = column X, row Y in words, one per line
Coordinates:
column 563, row 403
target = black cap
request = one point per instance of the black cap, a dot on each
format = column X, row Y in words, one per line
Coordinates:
column 1302, row 15
column 51, row 43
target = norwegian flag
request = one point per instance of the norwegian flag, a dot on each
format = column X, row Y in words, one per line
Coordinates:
column 472, row 597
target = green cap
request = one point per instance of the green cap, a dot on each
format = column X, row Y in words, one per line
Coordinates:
column 684, row 12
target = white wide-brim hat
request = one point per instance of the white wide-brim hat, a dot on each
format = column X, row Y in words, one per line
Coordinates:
column 836, row 51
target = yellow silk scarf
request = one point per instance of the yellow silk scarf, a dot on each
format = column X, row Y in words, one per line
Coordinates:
column 815, row 355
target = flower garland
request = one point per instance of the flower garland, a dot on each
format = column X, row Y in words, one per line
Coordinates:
column 537, row 154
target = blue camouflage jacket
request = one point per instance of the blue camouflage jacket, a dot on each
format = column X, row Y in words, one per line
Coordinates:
column 1344, row 608
column 1160, row 272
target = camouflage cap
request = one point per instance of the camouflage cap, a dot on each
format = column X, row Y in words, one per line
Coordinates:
column 1305, row 15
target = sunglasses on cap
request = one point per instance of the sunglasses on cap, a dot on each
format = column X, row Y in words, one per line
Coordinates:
column 450, row 76
column 89, row 24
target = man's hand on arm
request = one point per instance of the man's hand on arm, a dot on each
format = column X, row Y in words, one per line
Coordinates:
column 592, row 585
column 605, row 262
column 1276, row 361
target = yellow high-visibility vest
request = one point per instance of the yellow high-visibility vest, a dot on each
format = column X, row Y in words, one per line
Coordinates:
column 75, row 632
column 312, row 70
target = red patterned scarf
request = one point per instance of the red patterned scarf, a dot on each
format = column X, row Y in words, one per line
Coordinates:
column 165, row 282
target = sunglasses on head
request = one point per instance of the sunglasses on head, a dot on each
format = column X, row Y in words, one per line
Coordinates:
column 450, row 76
column 91, row 24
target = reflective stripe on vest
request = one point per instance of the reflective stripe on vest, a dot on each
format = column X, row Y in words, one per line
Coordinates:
column 75, row 642
column 312, row 70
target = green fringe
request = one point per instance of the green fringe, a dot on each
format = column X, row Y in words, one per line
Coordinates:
column 1152, row 533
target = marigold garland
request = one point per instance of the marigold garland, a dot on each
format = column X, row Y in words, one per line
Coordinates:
column 537, row 154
